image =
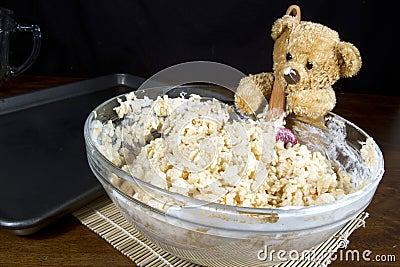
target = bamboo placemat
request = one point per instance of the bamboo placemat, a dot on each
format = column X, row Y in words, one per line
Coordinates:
column 103, row 218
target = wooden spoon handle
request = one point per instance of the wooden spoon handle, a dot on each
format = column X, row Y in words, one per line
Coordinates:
column 276, row 107
column 294, row 10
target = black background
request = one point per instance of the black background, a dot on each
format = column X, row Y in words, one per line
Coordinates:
column 93, row 38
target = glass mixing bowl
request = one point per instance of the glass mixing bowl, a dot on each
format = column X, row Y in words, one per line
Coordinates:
column 213, row 234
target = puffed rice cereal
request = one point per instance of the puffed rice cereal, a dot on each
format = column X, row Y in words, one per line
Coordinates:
column 193, row 147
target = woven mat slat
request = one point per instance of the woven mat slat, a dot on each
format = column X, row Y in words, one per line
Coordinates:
column 102, row 217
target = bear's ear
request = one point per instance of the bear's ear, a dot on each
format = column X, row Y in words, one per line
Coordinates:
column 283, row 24
column 349, row 59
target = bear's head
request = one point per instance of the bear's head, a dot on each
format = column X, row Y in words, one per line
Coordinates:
column 308, row 58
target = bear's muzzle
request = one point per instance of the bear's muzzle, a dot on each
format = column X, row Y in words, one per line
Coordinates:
column 291, row 75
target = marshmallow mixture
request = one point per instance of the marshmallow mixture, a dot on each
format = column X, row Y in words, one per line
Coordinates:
column 196, row 148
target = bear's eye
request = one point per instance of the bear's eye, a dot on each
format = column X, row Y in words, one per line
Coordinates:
column 289, row 56
column 309, row 65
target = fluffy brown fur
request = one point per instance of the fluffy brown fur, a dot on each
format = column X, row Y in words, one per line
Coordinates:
column 317, row 57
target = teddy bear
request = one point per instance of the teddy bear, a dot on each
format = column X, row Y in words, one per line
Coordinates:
column 308, row 58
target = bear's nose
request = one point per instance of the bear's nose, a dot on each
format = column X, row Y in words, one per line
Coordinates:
column 291, row 75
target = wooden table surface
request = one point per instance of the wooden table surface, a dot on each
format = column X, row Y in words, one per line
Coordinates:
column 68, row 243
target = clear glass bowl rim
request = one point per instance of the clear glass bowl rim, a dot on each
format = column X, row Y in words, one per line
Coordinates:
column 282, row 211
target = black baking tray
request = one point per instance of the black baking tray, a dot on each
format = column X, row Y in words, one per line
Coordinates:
column 44, row 170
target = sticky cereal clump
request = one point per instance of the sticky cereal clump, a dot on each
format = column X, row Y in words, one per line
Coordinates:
column 193, row 147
